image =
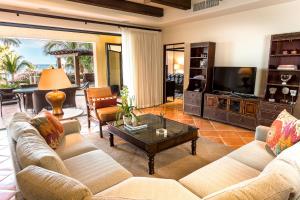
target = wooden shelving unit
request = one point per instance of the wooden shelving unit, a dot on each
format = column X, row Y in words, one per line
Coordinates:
column 284, row 50
column 202, row 60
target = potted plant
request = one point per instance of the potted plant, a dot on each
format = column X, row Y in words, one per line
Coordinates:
column 126, row 107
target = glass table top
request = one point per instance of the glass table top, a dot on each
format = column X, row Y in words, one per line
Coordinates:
column 148, row 135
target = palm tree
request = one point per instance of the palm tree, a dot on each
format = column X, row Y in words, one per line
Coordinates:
column 12, row 63
column 60, row 45
column 10, row 42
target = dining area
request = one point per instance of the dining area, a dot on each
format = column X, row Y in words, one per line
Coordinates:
column 34, row 99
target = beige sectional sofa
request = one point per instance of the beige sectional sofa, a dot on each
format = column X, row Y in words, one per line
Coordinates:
column 85, row 172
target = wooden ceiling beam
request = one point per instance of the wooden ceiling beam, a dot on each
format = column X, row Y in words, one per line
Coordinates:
column 181, row 4
column 126, row 6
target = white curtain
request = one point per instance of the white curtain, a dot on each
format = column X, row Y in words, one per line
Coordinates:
column 142, row 66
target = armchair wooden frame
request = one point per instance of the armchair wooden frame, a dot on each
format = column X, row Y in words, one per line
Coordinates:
column 92, row 112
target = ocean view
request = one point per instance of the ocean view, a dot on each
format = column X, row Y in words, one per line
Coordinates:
column 44, row 66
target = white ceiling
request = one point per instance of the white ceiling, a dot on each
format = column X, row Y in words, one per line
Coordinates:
column 172, row 15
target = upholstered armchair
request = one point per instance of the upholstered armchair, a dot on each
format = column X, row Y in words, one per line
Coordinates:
column 101, row 106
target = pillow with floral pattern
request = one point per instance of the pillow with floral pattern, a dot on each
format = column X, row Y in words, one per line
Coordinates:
column 49, row 127
column 284, row 132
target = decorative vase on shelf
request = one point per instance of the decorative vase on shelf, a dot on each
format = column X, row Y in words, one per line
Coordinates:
column 272, row 94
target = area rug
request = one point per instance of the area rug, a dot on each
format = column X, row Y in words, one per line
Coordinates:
column 174, row 163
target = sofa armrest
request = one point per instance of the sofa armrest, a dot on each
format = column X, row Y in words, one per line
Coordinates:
column 261, row 133
column 71, row 126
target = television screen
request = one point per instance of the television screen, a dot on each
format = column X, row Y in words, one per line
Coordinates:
column 235, row 79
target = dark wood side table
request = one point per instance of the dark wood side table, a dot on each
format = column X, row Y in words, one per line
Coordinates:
column 147, row 140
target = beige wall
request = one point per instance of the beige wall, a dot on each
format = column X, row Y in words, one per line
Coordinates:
column 101, row 70
column 242, row 38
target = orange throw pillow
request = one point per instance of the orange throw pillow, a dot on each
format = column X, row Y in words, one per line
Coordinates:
column 284, row 133
column 49, row 127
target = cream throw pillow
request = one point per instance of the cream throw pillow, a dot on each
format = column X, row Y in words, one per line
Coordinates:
column 264, row 187
column 32, row 149
column 37, row 183
column 19, row 125
column 287, row 164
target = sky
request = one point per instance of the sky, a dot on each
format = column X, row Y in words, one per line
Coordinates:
column 32, row 51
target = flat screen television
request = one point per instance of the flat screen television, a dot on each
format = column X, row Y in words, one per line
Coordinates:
column 234, row 79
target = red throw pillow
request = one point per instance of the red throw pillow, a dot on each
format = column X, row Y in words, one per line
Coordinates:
column 105, row 102
column 49, row 127
column 284, row 133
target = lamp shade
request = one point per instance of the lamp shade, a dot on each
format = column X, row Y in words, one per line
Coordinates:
column 54, row 79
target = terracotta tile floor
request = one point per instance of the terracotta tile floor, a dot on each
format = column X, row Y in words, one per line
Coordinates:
column 217, row 132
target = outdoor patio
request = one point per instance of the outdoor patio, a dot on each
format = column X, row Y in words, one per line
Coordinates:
column 9, row 110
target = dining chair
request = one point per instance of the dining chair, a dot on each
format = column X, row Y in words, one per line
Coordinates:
column 27, row 97
column 101, row 106
column 8, row 97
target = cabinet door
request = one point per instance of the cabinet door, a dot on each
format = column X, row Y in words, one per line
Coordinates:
column 223, row 103
column 211, row 101
column 242, row 120
column 275, row 107
column 220, row 115
column 193, row 98
column 208, row 112
column 269, row 115
column 194, row 110
column 250, row 108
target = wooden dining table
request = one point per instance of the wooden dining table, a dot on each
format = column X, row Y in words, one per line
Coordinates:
column 26, row 95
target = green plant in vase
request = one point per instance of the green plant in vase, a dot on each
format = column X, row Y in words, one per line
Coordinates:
column 127, row 108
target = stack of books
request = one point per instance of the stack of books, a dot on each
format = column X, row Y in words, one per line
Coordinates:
column 135, row 128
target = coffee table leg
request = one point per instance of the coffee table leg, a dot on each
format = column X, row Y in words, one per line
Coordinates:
column 194, row 146
column 111, row 140
column 151, row 163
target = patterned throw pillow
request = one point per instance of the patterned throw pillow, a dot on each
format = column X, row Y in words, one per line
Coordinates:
column 49, row 127
column 284, row 132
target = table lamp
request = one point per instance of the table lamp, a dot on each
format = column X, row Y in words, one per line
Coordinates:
column 54, row 79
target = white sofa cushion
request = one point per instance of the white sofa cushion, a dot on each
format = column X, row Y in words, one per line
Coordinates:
column 20, row 117
column 97, row 170
column 113, row 198
column 74, row 145
column 38, row 183
column 149, row 188
column 269, row 186
column 32, row 149
column 218, row 175
column 20, row 125
column 71, row 126
column 253, row 154
column 287, row 163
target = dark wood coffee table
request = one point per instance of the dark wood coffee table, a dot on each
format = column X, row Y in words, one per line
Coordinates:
column 147, row 140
